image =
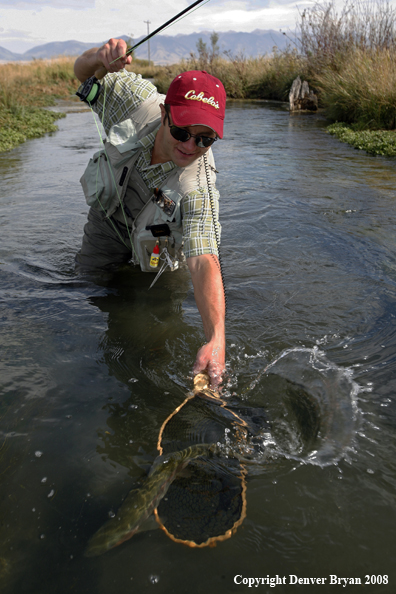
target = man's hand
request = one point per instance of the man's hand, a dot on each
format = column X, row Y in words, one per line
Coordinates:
column 112, row 55
column 211, row 358
column 110, row 58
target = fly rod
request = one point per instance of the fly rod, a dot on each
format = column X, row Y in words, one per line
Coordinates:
column 90, row 90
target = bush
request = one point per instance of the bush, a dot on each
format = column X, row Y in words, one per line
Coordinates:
column 266, row 77
column 275, row 75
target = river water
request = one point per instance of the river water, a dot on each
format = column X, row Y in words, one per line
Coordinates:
column 90, row 367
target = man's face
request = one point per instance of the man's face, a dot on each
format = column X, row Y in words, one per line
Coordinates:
column 181, row 153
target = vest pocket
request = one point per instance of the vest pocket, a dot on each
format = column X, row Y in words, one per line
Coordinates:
column 144, row 243
column 98, row 182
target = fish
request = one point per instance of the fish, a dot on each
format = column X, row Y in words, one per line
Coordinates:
column 140, row 503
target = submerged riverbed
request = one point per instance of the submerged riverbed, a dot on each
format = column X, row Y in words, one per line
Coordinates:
column 90, row 367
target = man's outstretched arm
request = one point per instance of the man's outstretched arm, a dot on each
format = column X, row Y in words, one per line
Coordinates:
column 210, row 299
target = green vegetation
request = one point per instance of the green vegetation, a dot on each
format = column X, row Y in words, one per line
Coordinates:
column 374, row 142
column 24, row 90
column 348, row 59
column 20, row 124
column 350, row 62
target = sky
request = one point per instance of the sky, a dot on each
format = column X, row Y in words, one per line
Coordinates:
column 28, row 23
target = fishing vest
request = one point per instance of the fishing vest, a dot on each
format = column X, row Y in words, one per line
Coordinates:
column 112, row 184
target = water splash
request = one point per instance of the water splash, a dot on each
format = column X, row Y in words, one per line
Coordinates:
column 312, row 407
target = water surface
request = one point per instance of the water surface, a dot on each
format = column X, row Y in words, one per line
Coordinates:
column 91, row 367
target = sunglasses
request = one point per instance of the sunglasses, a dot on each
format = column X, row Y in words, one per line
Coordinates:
column 183, row 136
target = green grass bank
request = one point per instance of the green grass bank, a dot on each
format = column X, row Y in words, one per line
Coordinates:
column 25, row 89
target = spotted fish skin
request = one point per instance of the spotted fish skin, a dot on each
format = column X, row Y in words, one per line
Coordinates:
column 140, row 503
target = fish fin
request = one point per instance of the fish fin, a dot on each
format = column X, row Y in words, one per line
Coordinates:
column 149, row 523
column 185, row 473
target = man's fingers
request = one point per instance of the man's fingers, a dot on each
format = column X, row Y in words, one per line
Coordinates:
column 112, row 55
column 216, row 373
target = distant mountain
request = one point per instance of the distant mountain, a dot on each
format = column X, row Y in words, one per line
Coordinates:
column 48, row 50
column 57, row 48
column 9, row 56
column 165, row 49
column 169, row 50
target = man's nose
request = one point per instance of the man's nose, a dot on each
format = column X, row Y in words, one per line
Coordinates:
column 190, row 144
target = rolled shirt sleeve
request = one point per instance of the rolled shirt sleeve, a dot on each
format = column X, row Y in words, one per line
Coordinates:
column 199, row 228
column 121, row 92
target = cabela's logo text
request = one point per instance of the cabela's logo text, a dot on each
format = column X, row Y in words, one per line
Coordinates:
column 201, row 97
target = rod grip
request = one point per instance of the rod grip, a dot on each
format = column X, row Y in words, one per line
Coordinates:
column 100, row 72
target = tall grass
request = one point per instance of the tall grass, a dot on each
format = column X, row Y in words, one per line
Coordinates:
column 36, row 83
column 326, row 37
column 362, row 90
column 350, row 60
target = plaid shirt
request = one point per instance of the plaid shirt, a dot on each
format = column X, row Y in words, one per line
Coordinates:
column 124, row 92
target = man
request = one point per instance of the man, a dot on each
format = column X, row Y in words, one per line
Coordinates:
column 163, row 144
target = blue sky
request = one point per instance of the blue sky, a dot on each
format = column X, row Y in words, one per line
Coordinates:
column 28, row 23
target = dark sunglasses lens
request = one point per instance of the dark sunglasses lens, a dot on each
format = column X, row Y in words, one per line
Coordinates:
column 205, row 141
column 179, row 134
column 182, row 136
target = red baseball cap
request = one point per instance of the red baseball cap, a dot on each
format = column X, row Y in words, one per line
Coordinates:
column 197, row 98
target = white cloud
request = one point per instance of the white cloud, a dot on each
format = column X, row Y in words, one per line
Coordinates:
column 27, row 23
column 38, row 4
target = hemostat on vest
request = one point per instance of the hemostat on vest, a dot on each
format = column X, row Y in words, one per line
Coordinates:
column 168, row 262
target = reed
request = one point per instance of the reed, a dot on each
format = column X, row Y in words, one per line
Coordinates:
column 326, row 36
column 362, row 90
column 349, row 57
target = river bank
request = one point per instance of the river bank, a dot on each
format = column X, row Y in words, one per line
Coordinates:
column 46, row 82
column 27, row 88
